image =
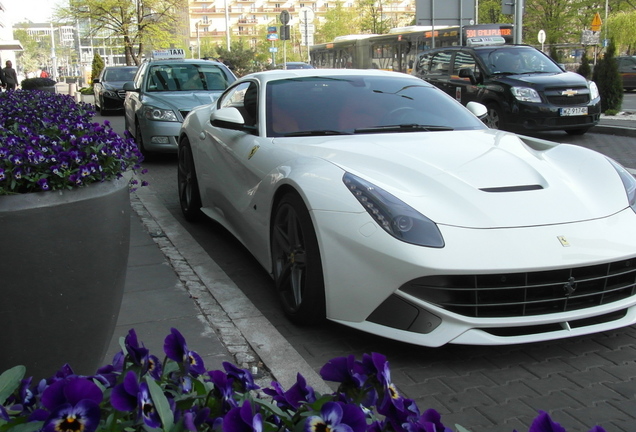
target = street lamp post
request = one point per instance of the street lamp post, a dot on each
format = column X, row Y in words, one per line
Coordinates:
column 198, row 40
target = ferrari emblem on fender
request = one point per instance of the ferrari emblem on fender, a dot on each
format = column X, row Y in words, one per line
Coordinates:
column 569, row 92
column 253, row 151
column 564, row 241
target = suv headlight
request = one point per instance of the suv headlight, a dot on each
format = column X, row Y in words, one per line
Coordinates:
column 593, row 90
column 158, row 114
column 394, row 216
column 525, row 94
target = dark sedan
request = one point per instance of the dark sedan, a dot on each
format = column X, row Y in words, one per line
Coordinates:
column 108, row 87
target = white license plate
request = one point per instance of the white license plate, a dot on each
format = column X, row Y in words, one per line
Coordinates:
column 574, row 111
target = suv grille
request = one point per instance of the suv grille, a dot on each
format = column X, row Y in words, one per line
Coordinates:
column 556, row 97
column 524, row 294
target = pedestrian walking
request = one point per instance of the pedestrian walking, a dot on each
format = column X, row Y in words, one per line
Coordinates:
column 10, row 76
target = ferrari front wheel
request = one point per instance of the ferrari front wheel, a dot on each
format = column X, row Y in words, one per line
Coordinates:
column 296, row 263
column 189, row 196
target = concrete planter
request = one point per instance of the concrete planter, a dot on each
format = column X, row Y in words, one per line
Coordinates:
column 63, row 267
column 87, row 98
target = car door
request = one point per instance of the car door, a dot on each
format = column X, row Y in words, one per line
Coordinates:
column 434, row 67
column 132, row 101
column 466, row 89
column 230, row 151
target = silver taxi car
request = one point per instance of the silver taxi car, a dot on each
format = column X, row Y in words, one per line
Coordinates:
column 164, row 91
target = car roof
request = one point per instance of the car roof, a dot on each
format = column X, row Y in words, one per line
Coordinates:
column 183, row 61
column 277, row 74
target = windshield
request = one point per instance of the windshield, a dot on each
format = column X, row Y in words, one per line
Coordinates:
column 119, row 74
column 186, row 77
column 517, row 61
column 320, row 105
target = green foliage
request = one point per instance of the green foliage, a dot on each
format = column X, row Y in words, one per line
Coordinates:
column 372, row 18
column 36, row 52
column 241, row 59
column 555, row 54
column 87, row 90
column 339, row 21
column 622, row 29
column 584, row 68
column 36, row 83
column 609, row 80
column 97, row 67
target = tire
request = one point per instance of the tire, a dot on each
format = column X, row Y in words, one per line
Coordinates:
column 189, row 195
column 296, row 263
column 579, row 131
column 494, row 118
column 139, row 139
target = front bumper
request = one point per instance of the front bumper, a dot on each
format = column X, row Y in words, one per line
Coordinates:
column 524, row 116
column 366, row 272
column 160, row 136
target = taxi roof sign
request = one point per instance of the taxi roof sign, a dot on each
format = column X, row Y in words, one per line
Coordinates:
column 483, row 41
column 168, row 54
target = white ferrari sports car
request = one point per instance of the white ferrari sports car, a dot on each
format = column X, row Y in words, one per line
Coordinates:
column 377, row 201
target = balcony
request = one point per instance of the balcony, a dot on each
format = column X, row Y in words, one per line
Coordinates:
column 203, row 10
column 247, row 21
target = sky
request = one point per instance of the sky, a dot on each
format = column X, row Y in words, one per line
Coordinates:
column 33, row 10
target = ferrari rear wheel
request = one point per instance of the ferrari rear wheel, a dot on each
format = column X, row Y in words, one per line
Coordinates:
column 189, row 196
column 296, row 262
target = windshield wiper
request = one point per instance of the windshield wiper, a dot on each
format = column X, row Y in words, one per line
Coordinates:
column 320, row 132
column 413, row 127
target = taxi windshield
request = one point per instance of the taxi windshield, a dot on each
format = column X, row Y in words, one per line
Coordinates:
column 517, row 61
column 186, row 77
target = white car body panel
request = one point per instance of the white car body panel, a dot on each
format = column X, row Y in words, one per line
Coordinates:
column 575, row 214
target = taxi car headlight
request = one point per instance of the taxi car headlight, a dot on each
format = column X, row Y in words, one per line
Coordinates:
column 394, row 216
column 525, row 94
column 629, row 182
column 158, row 114
column 593, row 90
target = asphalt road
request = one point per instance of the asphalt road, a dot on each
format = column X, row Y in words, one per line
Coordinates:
column 581, row 381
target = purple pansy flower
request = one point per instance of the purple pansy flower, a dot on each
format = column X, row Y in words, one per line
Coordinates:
column 337, row 417
column 243, row 419
column 176, row 349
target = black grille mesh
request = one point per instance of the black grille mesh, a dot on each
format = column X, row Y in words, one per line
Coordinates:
column 526, row 294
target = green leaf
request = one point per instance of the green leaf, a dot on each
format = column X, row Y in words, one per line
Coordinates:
column 27, row 427
column 161, row 404
column 10, row 381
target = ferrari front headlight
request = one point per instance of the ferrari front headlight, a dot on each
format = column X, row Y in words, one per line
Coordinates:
column 394, row 216
column 629, row 182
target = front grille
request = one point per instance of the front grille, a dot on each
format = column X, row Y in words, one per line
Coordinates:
column 556, row 97
column 121, row 93
column 526, row 294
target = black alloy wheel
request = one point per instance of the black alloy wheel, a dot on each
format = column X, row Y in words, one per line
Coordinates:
column 296, row 263
column 189, row 196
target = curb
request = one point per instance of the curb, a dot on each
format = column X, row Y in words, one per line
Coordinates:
column 614, row 130
column 238, row 323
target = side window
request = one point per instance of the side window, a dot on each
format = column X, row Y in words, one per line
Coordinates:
column 463, row 60
column 141, row 73
column 440, row 63
column 243, row 97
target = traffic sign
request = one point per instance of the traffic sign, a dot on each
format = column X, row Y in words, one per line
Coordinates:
column 284, row 17
column 541, row 36
column 306, row 15
column 596, row 22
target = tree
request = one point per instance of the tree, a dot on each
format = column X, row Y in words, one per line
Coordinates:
column 35, row 54
column 371, row 17
column 609, row 81
column 97, row 67
column 622, row 28
column 240, row 59
column 490, row 12
column 585, row 69
column 139, row 23
column 339, row 21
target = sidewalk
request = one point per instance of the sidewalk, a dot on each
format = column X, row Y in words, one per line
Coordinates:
column 172, row 282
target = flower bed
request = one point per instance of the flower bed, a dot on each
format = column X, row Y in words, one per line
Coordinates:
column 49, row 142
column 138, row 392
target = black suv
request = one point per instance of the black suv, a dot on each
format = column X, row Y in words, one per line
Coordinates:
column 523, row 89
